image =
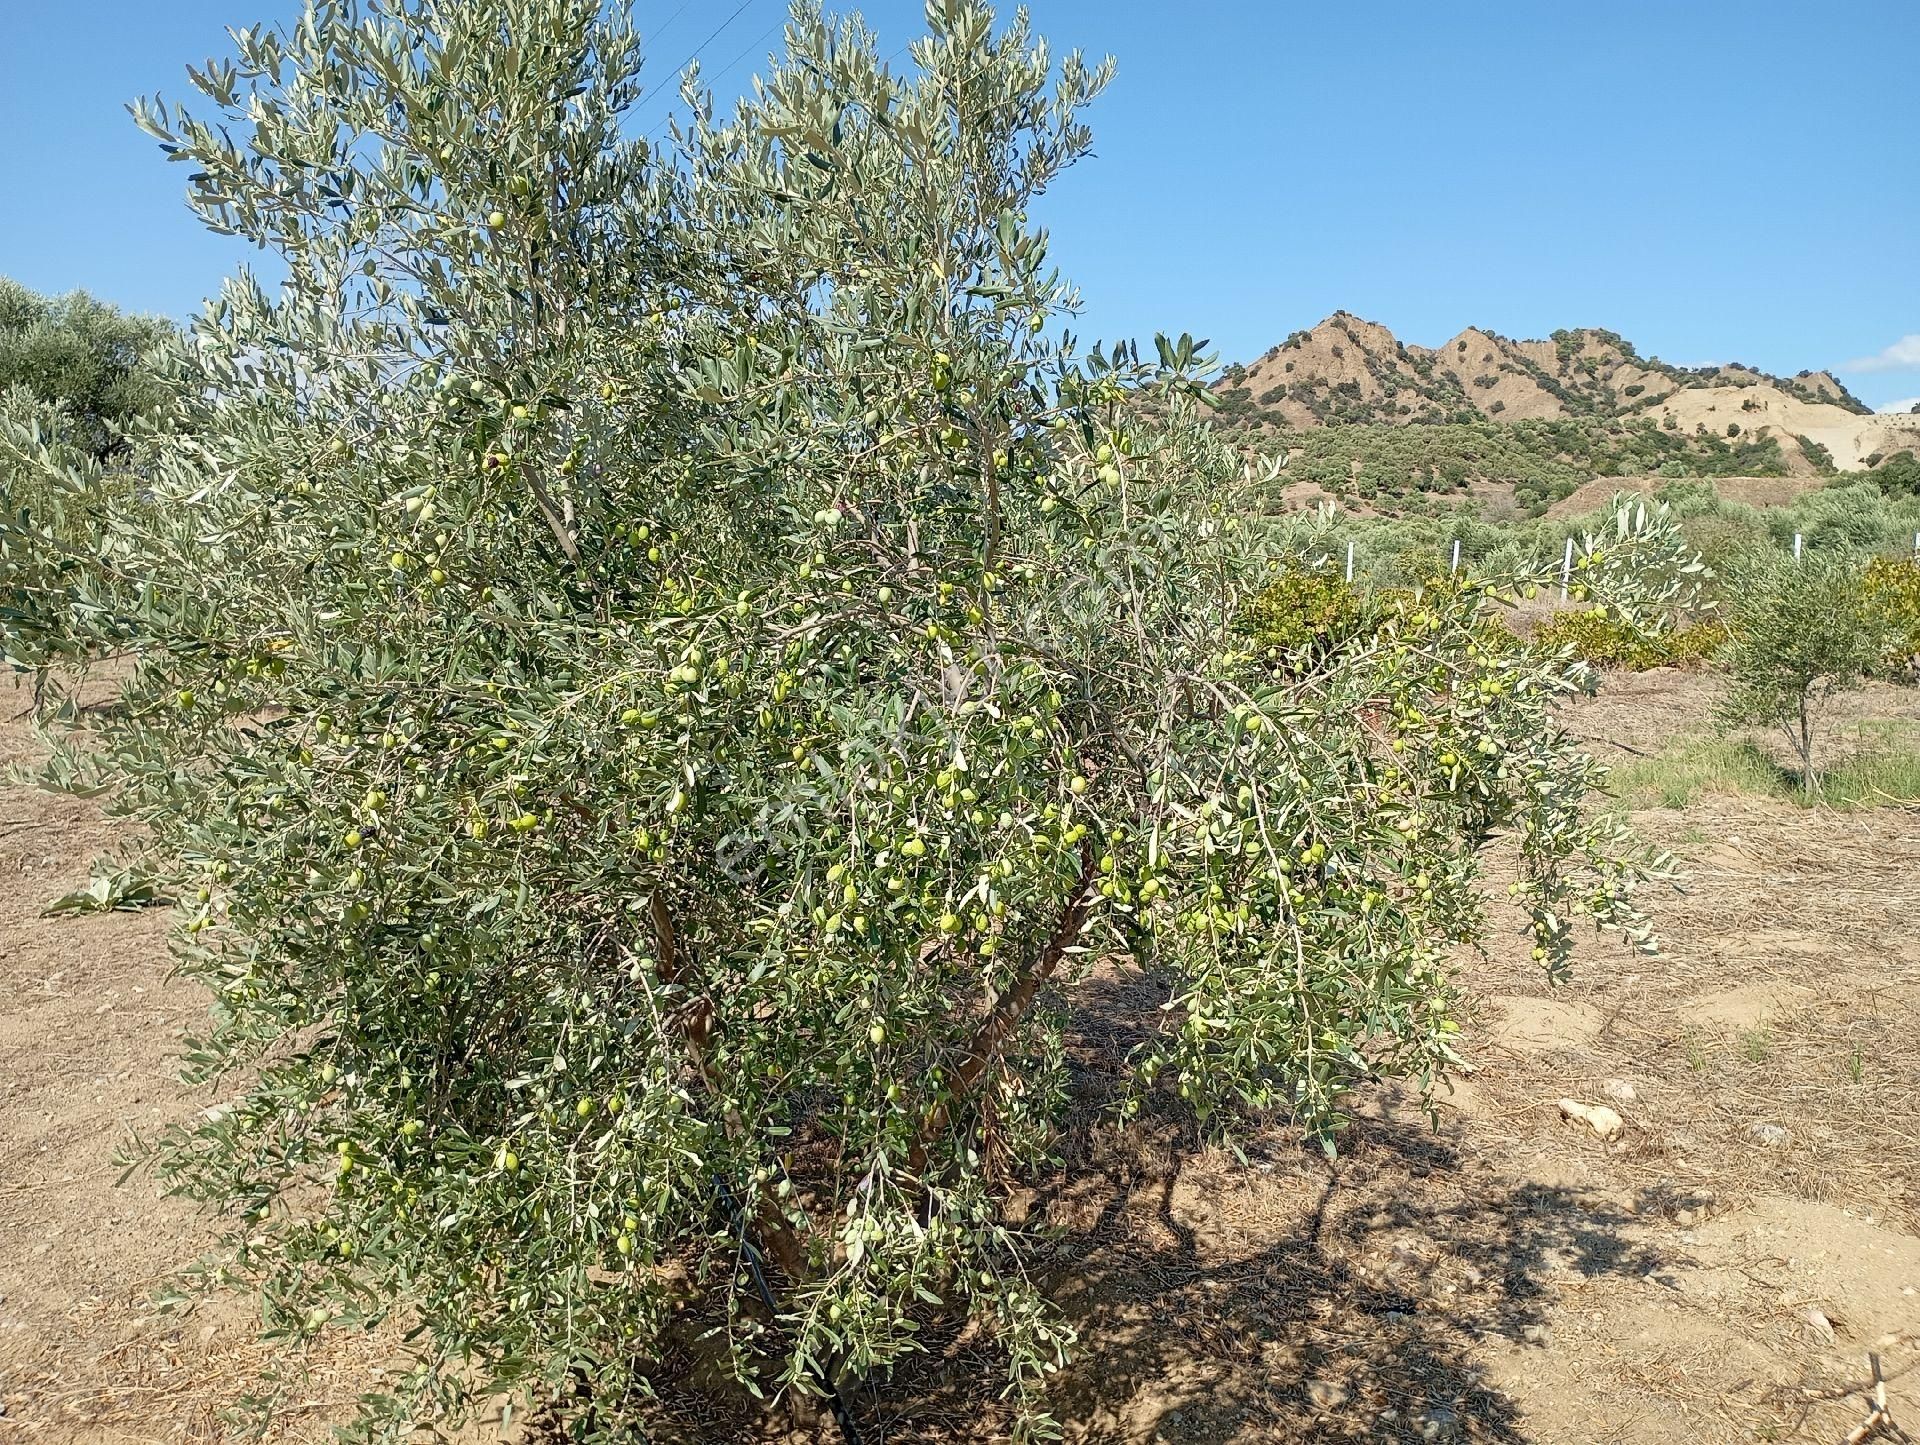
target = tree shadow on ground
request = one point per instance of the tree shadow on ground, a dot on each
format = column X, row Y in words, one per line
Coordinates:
column 1286, row 1297
column 1354, row 1306
column 1277, row 1297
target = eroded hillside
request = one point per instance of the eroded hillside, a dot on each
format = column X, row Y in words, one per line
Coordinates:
column 1351, row 370
column 1353, row 411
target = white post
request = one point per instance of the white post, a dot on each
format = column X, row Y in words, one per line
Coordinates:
column 1566, row 570
column 1916, row 541
column 1350, row 557
column 1454, row 566
column 1796, row 546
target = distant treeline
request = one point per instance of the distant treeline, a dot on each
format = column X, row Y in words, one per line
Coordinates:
column 1857, row 514
column 1541, row 461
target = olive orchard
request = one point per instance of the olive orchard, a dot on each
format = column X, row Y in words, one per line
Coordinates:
column 659, row 671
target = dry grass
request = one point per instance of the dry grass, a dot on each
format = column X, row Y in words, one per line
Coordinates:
column 1785, row 995
column 1876, row 763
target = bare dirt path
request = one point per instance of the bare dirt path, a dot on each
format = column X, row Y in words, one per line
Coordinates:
column 1717, row 1273
column 90, row 1028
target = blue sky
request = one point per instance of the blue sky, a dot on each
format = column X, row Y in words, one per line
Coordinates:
column 1716, row 181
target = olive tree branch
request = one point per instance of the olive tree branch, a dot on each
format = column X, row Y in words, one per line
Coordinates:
column 1013, row 1006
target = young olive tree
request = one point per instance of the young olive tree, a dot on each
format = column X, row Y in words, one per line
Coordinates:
column 1799, row 631
column 660, row 672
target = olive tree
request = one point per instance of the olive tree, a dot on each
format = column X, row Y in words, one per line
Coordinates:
column 661, row 670
column 1639, row 566
column 1800, row 630
column 46, row 517
column 57, row 493
column 95, row 362
column 80, row 380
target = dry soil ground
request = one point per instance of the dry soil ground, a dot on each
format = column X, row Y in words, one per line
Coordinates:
column 1507, row 1277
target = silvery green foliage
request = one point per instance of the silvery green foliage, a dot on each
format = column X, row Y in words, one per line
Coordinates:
column 1641, row 566
column 1801, row 629
column 659, row 675
column 95, row 362
column 56, row 493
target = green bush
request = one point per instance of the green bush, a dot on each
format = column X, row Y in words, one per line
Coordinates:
column 1818, row 454
column 1604, row 639
column 1893, row 591
column 1297, row 620
column 647, row 752
column 1897, row 475
column 1851, row 513
column 1695, row 644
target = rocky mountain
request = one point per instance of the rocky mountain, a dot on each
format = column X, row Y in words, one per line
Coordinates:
column 1352, row 411
column 1350, row 371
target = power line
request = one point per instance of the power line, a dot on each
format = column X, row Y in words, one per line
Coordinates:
column 667, row 24
column 681, row 67
column 751, row 46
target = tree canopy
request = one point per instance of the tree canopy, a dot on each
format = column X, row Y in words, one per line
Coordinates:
column 87, row 357
column 661, row 672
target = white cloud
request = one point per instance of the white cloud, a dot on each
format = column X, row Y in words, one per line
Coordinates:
column 1901, row 408
column 1902, row 354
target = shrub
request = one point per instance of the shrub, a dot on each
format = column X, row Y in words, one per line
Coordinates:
column 1695, row 644
column 1819, row 455
column 1897, row 475
column 1603, row 639
column 1850, row 513
column 648, row 747
column 1893, row 592
column 1303, row 616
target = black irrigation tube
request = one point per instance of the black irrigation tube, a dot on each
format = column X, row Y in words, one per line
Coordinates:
column 836, row 1405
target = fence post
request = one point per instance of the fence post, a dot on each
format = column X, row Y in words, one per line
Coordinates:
column 1454, row 565
column 1566, row 570
column 1350, row 558
column 1796, row 546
